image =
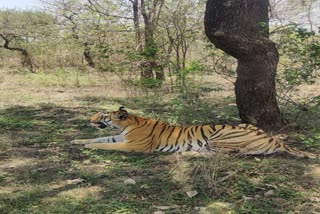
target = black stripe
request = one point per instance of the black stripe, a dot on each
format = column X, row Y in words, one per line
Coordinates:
column 237, row 133
column 151, row 130
column 184, row 142
column 184, row 132
column 271, row 139
column 217, row 136
column 176, row 149
column 179, row 135
column 170, row 148
column 170, row 133
column 163, row 128
column 149, row 124
column 213, row 126
column 154, row 127
column 149, row 146
column 277, row 146
column 189, row 136
column 137, row 127
column 216, row 133
column 237, row 136
column 203, row 135
column 189, row 147
column 200, row 143
column 192, row 132
column 163, row 148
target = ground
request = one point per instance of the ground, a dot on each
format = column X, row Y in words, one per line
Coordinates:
column 41, row 172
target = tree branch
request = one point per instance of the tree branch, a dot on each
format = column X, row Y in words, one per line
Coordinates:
column 93, row 6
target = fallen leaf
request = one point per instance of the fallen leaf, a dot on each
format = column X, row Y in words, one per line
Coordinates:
column 42, row 169
column 86, row 162
column 246, row 198
column 192, row 193
column 200, row 209
column 167, row 207
column 272, row 186
column 75, row 181
column 257, row 196
column 130, row 181
column 232, row 104
column 158, row 212
column 269, row 193
column 314, row 199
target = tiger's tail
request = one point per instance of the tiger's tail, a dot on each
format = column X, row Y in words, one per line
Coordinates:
column 296, row 152
column 249, row 140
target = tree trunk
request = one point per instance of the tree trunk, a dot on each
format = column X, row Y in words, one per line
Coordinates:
column 240, row 28
column 149, row 44
column 150, row 19
column 87, row 55
column 135, row 6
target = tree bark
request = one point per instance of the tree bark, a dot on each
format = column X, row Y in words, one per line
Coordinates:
column 240, row 28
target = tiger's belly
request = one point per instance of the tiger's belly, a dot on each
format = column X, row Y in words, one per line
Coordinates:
column 199, row 146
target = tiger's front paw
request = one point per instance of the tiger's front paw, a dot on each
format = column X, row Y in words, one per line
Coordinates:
column 79, row 141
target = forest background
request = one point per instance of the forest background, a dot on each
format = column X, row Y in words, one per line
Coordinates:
column 66, row 59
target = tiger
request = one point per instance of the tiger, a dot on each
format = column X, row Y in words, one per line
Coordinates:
column 140, row 134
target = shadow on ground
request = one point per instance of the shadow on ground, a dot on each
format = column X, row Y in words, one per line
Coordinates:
column 41, row 172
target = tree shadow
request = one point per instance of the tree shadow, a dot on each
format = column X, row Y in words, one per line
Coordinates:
column 42, row 135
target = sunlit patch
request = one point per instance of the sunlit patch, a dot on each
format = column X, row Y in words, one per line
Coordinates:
column 93, row 167
column 81, row 193
column 17, row 163
column 314, row 171
column 220, row 207
column 5, row 142
column 182, row 168
column 4, row 190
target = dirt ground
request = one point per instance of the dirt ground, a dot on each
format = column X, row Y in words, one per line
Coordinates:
column 41, row 172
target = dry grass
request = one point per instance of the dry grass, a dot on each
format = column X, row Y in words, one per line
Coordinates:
column 41, row 113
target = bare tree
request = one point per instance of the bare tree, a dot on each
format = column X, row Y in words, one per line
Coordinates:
column 22, row 27
column 69, row 14
column 181, row 24
column 136, row 23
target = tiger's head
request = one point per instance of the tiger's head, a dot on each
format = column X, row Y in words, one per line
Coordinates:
column 116, row 119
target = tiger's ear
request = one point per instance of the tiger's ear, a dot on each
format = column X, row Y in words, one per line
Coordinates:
column 122, row 109
column 123, row 115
